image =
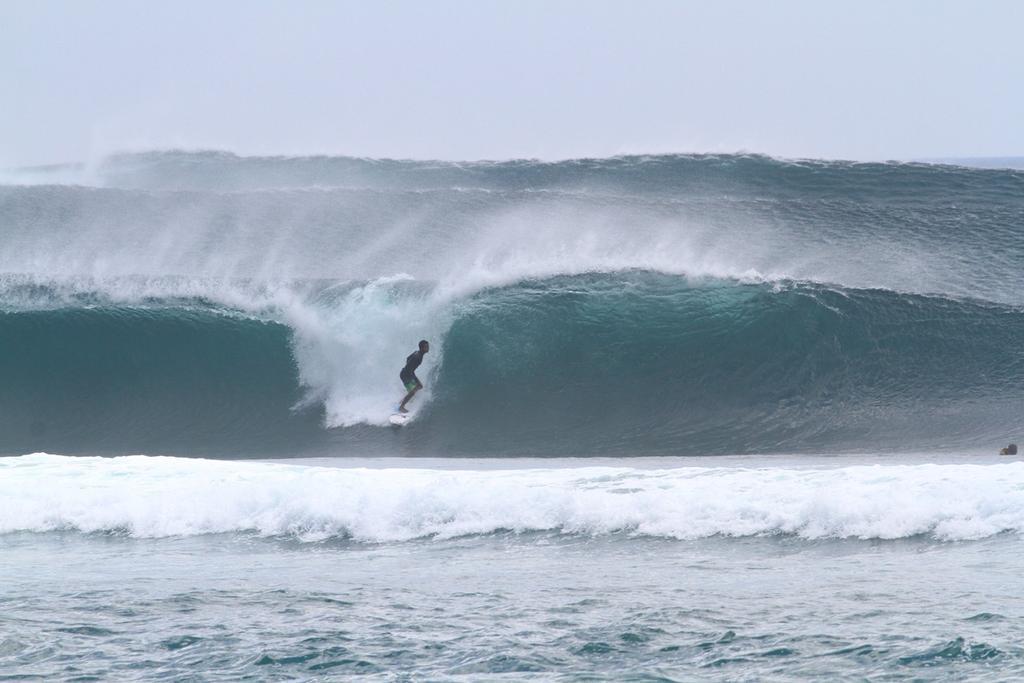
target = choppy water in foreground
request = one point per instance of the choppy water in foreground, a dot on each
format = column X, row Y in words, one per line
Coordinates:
column 611, row 603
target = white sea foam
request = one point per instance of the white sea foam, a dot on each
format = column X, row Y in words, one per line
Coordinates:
column 159, row 497
column 349, row 353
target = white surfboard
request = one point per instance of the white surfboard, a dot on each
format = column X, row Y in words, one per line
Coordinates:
column 399, row 419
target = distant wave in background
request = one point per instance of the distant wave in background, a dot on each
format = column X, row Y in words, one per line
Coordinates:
column 205, row 303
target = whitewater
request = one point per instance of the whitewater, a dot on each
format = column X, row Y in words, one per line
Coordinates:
column 686, row 417
column 162, row 497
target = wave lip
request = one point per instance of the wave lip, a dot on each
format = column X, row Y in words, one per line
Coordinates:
column 154, row 497
column 910, row 227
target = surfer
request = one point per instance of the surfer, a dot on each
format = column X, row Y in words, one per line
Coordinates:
column 410, row 381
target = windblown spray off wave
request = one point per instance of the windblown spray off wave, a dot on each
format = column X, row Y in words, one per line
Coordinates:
column 203, row 303
column 158, row 497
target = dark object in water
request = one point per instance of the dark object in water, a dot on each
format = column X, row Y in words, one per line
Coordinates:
column 1009, row 450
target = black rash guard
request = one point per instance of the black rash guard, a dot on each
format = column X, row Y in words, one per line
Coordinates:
column 411, row 363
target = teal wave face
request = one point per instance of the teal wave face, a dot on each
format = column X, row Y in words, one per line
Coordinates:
column 115, row 380
column 624, row 364
column 650, row 364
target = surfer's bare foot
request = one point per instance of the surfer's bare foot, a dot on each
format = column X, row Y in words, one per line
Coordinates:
column 403, row 409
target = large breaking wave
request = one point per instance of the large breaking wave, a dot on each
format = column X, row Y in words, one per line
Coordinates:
column 202, row 303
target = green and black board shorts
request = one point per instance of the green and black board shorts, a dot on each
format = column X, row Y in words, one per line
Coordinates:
column 409, row 381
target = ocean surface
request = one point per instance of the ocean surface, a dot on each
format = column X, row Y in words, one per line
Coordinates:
column 686, row 417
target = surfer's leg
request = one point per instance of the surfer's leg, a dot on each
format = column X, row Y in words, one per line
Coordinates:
column 412, row 392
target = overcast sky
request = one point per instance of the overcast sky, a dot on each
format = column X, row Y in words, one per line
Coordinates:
column 477, row 79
